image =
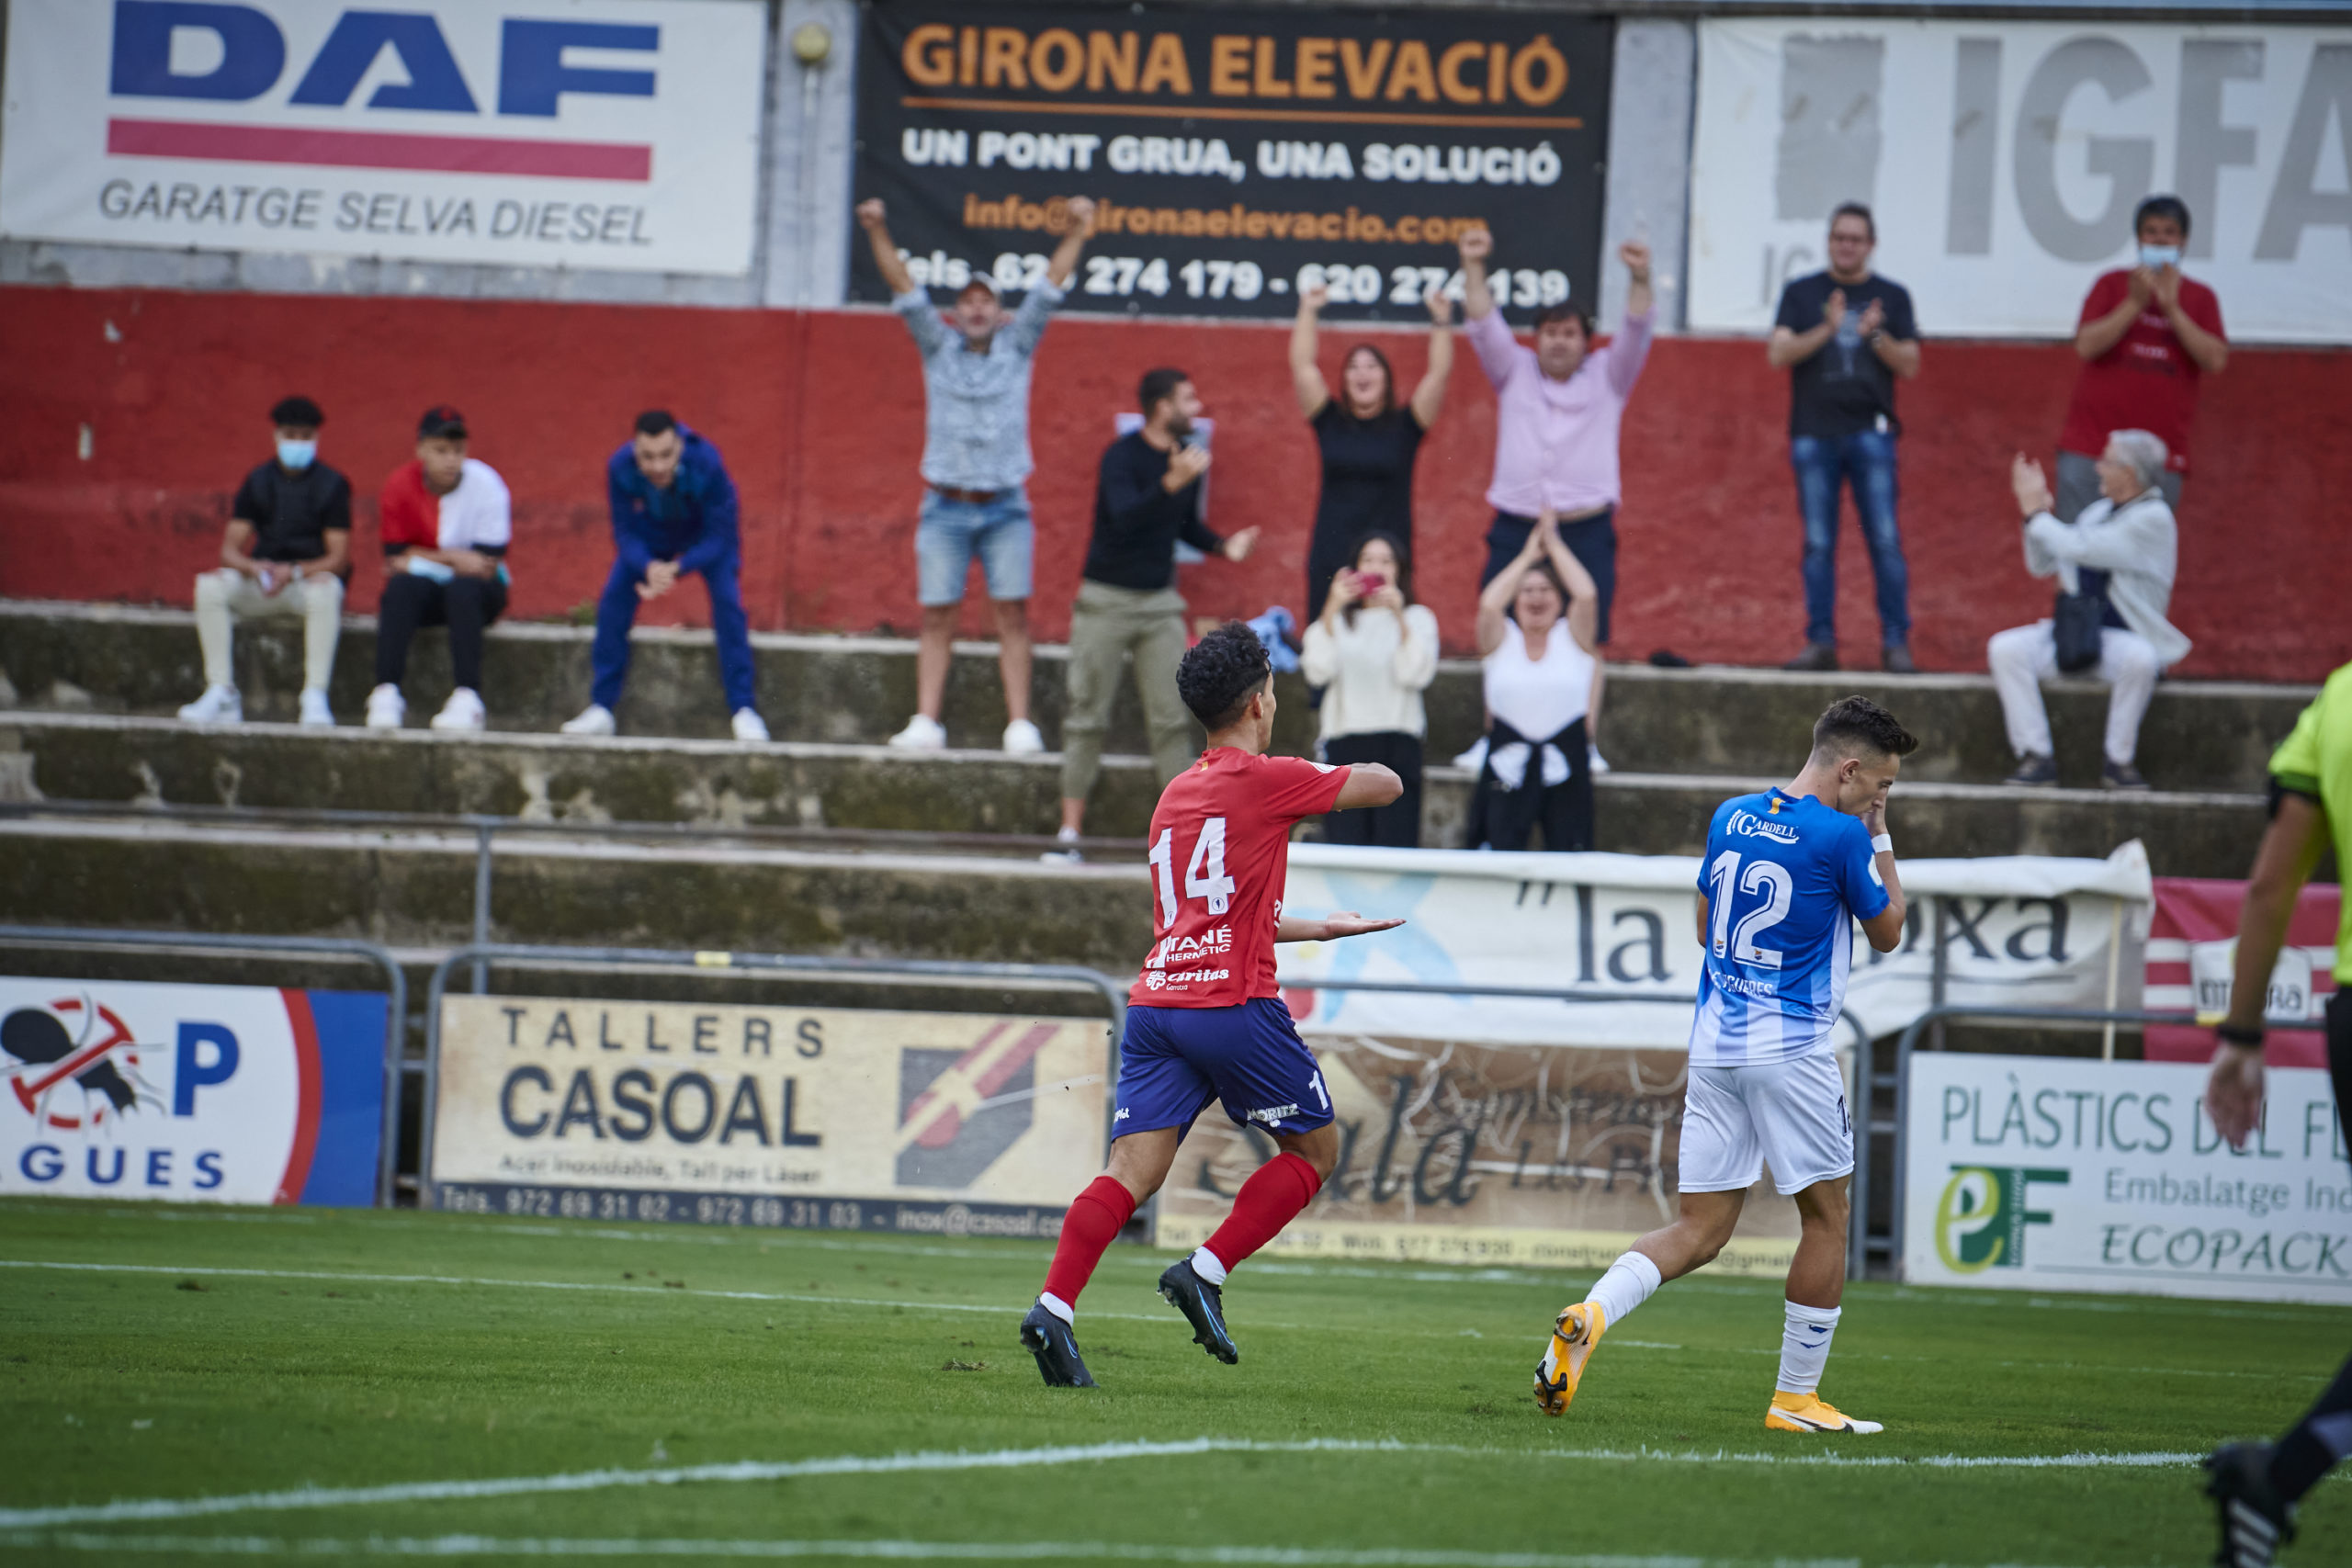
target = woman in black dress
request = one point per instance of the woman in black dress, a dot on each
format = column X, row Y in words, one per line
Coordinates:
column 1367, row 440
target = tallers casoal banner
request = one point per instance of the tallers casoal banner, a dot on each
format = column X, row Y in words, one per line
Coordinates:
column 1236, row 155
column 1507, row 1155
column 592, row 134
column 930, row 1123
column 235, row 1094
column 2047, row 1174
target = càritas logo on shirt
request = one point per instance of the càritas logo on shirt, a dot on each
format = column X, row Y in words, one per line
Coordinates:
column 1747, row 825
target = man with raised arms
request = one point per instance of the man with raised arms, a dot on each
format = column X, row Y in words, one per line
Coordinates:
column 1205, row 1021
column 1786, row 875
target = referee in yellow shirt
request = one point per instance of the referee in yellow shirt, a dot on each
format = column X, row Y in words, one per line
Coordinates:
column 2258, row 1484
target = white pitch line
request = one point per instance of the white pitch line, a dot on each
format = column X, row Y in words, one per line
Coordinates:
column 152, row 1508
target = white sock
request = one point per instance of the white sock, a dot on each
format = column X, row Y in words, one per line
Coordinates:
column 1066, row 835
column 1058, row 1307
column 1206, row 1265
column 1627, row 1285
column 1804, row 1346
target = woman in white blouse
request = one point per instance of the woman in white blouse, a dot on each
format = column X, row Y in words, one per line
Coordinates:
column 1373, row 651
column 1536, row 622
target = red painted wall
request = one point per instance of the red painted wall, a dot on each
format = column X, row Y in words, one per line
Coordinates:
column 820, row 416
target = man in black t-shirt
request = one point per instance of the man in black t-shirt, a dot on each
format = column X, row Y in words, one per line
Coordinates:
column 1844, row 335
column 287, row 551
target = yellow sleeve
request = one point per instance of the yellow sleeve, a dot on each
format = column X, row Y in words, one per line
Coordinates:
column 2295, row 765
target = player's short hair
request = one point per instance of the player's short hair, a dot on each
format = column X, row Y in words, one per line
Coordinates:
column 1856, row 727
column 1219, row 673
column 656, row 422
column 1856, row 210
column 1564, row 312
column 1157, row 384
column 2170, row 207
column 297, row 411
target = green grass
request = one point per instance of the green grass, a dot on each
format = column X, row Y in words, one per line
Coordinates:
column 123, row 1382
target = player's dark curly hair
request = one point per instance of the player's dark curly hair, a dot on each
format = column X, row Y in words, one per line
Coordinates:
column 1857, row 725
column 1220, row 672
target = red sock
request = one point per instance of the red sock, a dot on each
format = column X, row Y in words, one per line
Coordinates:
column 1269, row 1201
column 1092, row 1222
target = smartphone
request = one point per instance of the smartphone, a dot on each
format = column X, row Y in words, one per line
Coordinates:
column 1371, row 582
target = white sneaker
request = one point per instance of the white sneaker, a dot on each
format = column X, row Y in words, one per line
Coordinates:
column 1473, row 760
column 1021, row 740
column 462, row 711
column 219, row 705
column 925, row 734
column 1066, row 850
column 314, row 708
column 594, row 719
column 386, row 707
column 1595, row 760
column 750, row 728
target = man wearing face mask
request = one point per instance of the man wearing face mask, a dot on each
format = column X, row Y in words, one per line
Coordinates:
column 2148, row 336
column 287, row 551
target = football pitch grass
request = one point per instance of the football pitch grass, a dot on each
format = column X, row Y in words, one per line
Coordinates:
column 181, row 1384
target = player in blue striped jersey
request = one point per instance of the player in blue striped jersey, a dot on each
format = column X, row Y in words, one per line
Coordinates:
column 1786, row 875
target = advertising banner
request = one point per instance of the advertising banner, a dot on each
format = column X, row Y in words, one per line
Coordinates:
column 2003, row 160
column 1509, row 1155
column 2047, row 1173
column 232, row 1094
column 805, row 1118
column 2192, row 959
column 593, row 133
column 1237, row 155
column 2019, row 931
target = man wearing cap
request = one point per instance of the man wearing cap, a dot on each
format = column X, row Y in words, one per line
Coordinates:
column 286, row 552
column 975, row 459
column 447, row 523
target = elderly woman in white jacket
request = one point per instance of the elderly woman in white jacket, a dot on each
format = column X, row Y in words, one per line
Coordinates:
column 2124, row 548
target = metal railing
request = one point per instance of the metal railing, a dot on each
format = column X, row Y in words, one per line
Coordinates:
column 485, row 955
column 395, row 1002
column 1858, row 1216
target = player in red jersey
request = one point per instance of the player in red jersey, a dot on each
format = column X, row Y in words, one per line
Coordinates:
column 1206, row 1020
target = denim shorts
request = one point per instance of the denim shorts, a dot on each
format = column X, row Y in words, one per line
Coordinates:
column 951, row 533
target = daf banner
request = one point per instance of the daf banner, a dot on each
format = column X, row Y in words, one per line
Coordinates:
column 1236, row 155
column 2017, row 930
column 232, row 1094
column 2003, row 160
column 593, row 133
column 942, row 1123
column 1512, row 1155
column 2045, row 1173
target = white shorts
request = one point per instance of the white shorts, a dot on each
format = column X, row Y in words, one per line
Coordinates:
column 1790, row 1115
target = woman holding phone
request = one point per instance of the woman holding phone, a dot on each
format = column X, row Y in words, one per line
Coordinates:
column 1366, row 441
column 1536, row 626
column 1373, row 651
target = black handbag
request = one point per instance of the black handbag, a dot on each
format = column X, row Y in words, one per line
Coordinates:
column 2075, row 622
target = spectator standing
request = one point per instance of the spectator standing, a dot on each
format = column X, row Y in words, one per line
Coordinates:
column 1373, row 651
column 287, row 552
column 974, row 461
column 1147, row 496
column 1557, row 410
column 1366, row 441
column 673, row 512
column 446, row 520
column 2147, row 338
column 1845, row 336
column 2129, row 536
column 1536, row 636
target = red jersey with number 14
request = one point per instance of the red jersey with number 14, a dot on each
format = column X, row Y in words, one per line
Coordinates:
column 1220, row 851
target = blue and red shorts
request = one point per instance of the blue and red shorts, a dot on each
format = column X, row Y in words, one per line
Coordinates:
column 1174, row 1061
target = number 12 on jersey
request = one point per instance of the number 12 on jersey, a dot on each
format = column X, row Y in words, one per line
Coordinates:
column 1738, row 942
column 1208, row 856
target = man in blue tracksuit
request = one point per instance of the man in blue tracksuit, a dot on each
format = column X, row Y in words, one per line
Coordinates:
column 673, row 512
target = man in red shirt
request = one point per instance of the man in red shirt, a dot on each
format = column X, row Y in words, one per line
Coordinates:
column 2147, row 335
column 1206, row 1020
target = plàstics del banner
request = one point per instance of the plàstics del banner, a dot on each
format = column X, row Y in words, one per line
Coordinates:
column 941, row 1123
column 1235, row 156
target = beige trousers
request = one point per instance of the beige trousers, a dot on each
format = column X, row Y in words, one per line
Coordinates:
column 227, row 596
column 1107, row 627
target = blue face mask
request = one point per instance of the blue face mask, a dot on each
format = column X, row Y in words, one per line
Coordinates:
column 297, row 454
column 2159, row 255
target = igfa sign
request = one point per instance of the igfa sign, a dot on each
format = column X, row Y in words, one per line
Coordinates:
column 613, row 133
column 2003, row 160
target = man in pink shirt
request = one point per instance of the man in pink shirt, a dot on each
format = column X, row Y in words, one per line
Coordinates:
column 1558, row 409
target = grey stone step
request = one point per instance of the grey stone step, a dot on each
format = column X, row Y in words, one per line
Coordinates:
column 557, row 779
column 2199, row 735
